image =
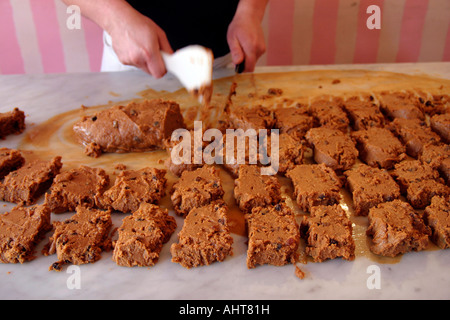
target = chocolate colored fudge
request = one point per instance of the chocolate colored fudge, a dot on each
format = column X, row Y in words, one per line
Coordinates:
column 329, row 113
column 138, row 126
column 332, row 147
column 142, row 235
column 273, row 236
column 27, row 184
column 12, row 122
column 435, row 154
column 255, row 190
column 400, row 105
column 363, row 113
column 328, row 234
column 290, row 153
column 315, row 184
column 10, row 160
column 294, row 121
column 414, row 134
column 379, row 147
column 21, row 229
column 437, row 217
column 370, row 186
column 205, row 237
column 81, row 238
column 395, row 228
column 132, row 187
column 83, row 185
column 195, row 189
column 440, row 123
column 255, row 117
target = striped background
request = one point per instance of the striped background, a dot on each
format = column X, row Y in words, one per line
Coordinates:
column 34, row 37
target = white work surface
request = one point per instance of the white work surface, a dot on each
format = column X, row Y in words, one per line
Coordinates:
column 418, row 275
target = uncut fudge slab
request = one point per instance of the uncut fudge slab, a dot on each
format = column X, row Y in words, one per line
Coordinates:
column 255, row 117
column 195, row 189
column 273, row 236
column 315, row 184
column 83, row 185
column 132, row 187
column 395, row 228
column 142, row 235
column 440, row 123
column 255, row 190
column 294, row 121
column 21, row 229
column 379, row 147
column 27, row 184
column 329, row 113
column 403, row 105
column 205, row 237
column 10, row 160
column 12, row 122
column 138, row 126
column 363, row 113
column 370, row 186
column 420, row 182
column 332, row 147
column 437, row 217
column 414, row 134
column 81, row 238
column 328, row 234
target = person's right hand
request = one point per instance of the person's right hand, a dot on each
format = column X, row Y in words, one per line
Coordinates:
column 137, row 41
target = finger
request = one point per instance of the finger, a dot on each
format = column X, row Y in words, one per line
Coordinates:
column 237, row 54
column 164, row 43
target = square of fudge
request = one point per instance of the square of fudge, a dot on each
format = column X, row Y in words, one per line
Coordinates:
column 196, row 188
column 370, row 186
column 21, row 229
column 409, row 171
column 395, row 228
column 294, row 121
column 437, row 217
column 255, row 190
column 440, row 123
column 142, row 235
column 444, row 169
column 273, row 236
column 419, row 194
column 400, row 105
column 328, row 233
column 205, row 237
column 29, row 182
column 363, row 113
column 81, row 238
column 12, row 122
column 290, row 153
column 83, row 185
column 332, row 147
column 10, row 160
column 379, row 147
column 315, row 184
column 132, row 187
column 435, row 154
column 254, row 117
column 328, row 112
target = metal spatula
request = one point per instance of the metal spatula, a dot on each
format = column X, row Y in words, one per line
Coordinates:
column 192, row 65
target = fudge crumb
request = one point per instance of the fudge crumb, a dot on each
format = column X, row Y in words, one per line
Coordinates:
column 299, row 273
column 120, row 166
column 336, row 81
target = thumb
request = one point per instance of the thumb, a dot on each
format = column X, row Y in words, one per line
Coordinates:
column 237, row 54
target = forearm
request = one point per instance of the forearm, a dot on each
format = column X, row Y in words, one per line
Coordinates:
column 252, row 8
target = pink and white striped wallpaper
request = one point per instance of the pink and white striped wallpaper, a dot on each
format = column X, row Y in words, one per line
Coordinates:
column 34, row 37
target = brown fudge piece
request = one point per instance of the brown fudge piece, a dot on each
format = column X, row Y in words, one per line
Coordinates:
column 420, row 182
column 290, row 153
column 12, row 122
column 293, row 121
column 315, row 184
column 195, row 189
column 273, row 236
column 444, row 169
column 142, row 235
column 205, row 237
column 83, row 185
column 329, row 113
column 435, row 154
column 10, row 160
column 414, row 134
column 432, row 104
column 256, row 117
column 81, row 238
column 369, row 187
column 138, row 126
column 437, row 217
column 395, row 228
column 440, row 123
column 363, row 113
column 400, row 105
column 132, row 187
column 255, row 190
column 28, row 183
column 332, row 147
column 328, row 234
column 379, row 147
column 21, row 230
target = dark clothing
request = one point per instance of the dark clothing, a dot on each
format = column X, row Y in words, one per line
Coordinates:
column 185, row 22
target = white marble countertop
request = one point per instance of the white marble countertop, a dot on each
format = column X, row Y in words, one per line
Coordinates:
column 418, row 275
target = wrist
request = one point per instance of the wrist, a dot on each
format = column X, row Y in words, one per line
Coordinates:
column 254, row 9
